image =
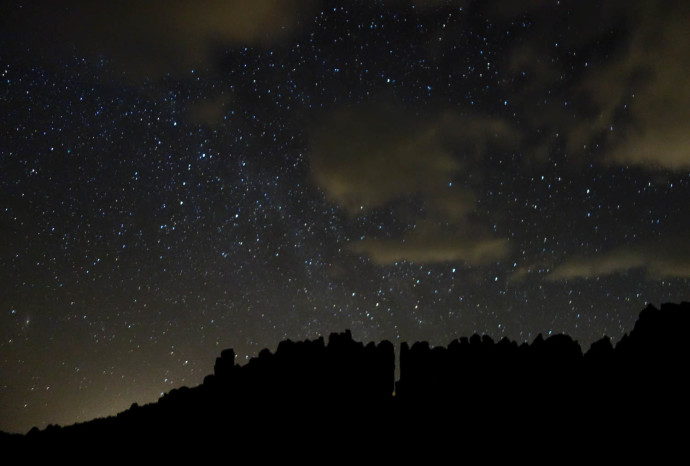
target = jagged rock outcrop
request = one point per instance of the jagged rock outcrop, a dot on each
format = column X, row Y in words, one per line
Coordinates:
column 329, row 392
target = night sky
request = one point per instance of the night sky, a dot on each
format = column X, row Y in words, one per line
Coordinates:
column 183, row 177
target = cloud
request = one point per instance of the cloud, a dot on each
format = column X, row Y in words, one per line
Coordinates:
column 659, row 136
column 427, row 4
column 615, row 89
column 155, row 36
column 520, row 274
column 365, row 157
column 376, row 155
column 640, row 92
column 210, row 111
column 606, row 264
column 434, row 247
column 660, row 261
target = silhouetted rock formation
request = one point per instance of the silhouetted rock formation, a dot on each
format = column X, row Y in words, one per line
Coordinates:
column 343, row 370
column 329, row 393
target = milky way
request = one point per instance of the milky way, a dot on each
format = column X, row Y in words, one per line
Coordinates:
column 179, row 179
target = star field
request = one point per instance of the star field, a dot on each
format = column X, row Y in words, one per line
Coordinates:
column 177, row 181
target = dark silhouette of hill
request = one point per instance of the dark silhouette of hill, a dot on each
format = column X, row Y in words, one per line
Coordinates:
column 317, row 397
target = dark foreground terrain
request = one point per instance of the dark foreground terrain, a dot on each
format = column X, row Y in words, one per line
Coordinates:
column 476, row 397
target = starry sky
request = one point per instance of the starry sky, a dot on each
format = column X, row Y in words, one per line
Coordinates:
column 183, row 177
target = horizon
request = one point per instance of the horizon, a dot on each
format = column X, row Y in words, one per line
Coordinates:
column 110, row 412
column 231, row 379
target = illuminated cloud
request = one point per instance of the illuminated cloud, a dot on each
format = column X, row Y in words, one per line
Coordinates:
column 434, row 248
column 606, row 264
column 521, row 274
column 659, row 262
column 637, row 95
column 210, row 111
column 427, row 4
column 365, row 157
column 624, row 101
column 659, row 136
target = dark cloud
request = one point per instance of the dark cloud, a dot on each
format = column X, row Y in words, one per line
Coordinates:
column 152, row 37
